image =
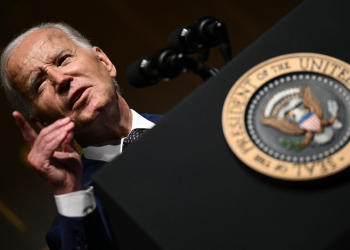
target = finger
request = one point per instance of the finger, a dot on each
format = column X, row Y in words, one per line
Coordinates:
column 27, row 131
column 68, row 143
column 47, row 143
column 40, row 157
column 55, row 126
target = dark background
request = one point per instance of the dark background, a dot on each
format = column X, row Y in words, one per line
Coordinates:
column 126, row 31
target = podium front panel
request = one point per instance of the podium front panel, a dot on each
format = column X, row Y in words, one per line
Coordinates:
column 181, row 187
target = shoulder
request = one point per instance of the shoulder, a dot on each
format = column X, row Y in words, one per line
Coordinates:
column 152, row 117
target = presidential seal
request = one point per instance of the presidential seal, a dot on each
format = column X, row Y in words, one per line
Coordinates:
column 289, row 117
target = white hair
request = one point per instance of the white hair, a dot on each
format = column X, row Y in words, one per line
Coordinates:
column 19, row 102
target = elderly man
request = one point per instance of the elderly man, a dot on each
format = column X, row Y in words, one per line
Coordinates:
column 66, row 89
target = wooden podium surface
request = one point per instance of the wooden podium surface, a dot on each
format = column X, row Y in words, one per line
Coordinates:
column 181, row 187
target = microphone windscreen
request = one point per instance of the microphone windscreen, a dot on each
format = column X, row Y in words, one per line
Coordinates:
column 180, row 40
column 137, row 78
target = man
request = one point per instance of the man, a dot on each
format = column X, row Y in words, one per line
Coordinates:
column 66, row 89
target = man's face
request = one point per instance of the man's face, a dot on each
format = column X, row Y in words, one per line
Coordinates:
column 61, row 79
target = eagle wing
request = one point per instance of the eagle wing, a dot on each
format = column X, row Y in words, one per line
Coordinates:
column 311, row 103
column 283, row 125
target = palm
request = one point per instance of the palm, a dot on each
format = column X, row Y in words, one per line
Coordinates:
column 62, row 171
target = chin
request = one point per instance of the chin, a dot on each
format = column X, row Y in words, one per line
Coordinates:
column 86, row 118
column 93, row 110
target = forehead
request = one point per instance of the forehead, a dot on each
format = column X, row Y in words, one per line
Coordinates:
column 43, row 40
column 36, row 50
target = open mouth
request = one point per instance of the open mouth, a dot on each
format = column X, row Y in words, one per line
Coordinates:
column 76, row 96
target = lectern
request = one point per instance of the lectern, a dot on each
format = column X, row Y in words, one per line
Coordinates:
column 182, row 187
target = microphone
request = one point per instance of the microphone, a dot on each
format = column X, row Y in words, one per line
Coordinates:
column 162, row 65
column 168, row 63
column 204, row 32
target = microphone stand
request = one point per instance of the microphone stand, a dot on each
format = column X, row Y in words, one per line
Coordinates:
column 196, row 67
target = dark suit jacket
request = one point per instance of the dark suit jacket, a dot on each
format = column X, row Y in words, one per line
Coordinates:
column 91, row 231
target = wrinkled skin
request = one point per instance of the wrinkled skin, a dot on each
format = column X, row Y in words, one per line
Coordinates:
column 72, row 94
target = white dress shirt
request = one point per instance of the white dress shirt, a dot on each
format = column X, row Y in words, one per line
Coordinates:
column 81, row 203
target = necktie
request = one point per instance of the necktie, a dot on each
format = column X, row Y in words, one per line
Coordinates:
column 133, row 136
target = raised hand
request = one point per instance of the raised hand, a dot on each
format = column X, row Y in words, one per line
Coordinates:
column 62, row 171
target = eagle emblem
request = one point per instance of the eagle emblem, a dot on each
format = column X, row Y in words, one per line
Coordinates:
column 296, row 111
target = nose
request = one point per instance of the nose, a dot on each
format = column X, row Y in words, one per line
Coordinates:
column 60, row 81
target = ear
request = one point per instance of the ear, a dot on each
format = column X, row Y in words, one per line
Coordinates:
column 34, row 120
column 105, row 60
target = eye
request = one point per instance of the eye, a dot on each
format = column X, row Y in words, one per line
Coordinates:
column 63, row 60
column 39, row 85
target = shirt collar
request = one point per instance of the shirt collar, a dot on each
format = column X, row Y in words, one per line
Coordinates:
column 108, row 150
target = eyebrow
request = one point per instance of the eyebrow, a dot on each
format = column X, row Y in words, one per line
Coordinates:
column 37, row 75
column 34, row 79
column 57, row 55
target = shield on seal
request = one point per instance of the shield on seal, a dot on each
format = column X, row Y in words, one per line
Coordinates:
column 310, row 122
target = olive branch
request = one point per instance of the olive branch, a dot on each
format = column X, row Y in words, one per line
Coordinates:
column 289, row 144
